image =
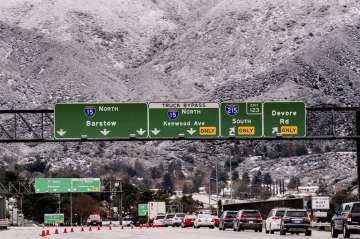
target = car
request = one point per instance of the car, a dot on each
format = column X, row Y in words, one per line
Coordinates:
column 273, row 220
column 227, row 220
column 127, row 222
column 168, row 220
column 188, row 221
column 176, row 221
column 346, row 220
column 216, row 221
column 295, row 221
column 159, row 220
column 248, row 220
column 94, row 220
column 204, row 220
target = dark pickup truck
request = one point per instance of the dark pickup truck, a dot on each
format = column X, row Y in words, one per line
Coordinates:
column 346, row 220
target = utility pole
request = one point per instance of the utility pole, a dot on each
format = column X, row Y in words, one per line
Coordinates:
column 59, row 209
column 71, row 210
column 358, row 150
column 231, row 182
column 210, row 192
column 217, row 188
column 120, row 206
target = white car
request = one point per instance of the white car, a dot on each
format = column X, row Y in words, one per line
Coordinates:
column 127, row 222
column 177, row 220
column 273, row 220
column 159, row 220
column 204, row 220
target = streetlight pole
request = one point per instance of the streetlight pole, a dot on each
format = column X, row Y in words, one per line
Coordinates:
column 217, row 188
column 71, row 210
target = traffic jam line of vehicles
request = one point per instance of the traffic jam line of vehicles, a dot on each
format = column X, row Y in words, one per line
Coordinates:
column 282, row 220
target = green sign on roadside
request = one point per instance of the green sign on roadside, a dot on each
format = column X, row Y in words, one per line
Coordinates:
column 142, row 210
column 188, row 120
column 53, row 219
column 67, row 185
column 100, row 121
column 284, row 119
column 241, row 119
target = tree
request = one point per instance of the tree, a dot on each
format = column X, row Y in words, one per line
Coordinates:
column 257, row 179
column 186, row 189
column 322, row 189
column 268, row 179
column 235, row 175
column 139, row 168
column 245, row 178
column 167, row 183
column 294, row 183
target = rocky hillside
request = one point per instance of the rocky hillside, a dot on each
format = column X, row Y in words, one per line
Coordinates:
column 166, row 50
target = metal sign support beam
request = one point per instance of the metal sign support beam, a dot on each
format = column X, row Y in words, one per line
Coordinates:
column 358, row 150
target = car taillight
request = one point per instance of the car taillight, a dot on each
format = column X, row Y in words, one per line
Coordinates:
column 285, row 219
column 259, row 218
column 275, row 218
column 349, row 217
column 242, row 218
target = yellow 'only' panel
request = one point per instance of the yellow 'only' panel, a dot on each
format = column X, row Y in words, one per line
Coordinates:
column 207, row 131
column 246, row 130
column 289, row 130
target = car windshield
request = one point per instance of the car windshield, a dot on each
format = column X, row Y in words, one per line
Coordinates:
column 356, row 208
column 205, row 216
column 170, row 216
column 231, row 214
column 251, row 213
column 180, row 215
column 189, row 217
column 296, row 214
column 279, row 213
column 160, row 217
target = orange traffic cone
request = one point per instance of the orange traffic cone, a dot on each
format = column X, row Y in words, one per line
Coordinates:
column 90, row 229
column 43, row 233
column 65, row 231
column 72, row 230
column 47, row 232
column 98, row 228
column 56, row 231
column 140, row 226
column 110, row 227
column 82, row 229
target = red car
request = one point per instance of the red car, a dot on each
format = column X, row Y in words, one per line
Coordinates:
column 188, row 221
column 216, row 220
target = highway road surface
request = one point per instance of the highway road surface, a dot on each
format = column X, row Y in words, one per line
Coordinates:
column 152, row 233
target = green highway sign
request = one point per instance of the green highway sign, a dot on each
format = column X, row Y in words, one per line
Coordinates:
column 284, row 119
column 100, row 121
column 240, row 120
column 84, row 185
column 187, row 120
column 142, row 210
column 67, row 185
column 53, row 219
column 53, row 185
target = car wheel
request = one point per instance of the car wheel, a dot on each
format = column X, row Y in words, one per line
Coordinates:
column 260, row 230
column 334, row 232
column 308, row 233
column 271, row 231
column 256, row 230
column 211, row 227
column 346, row 233
column 282, row 232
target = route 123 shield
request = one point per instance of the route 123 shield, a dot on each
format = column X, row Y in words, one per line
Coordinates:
column 90, row 111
